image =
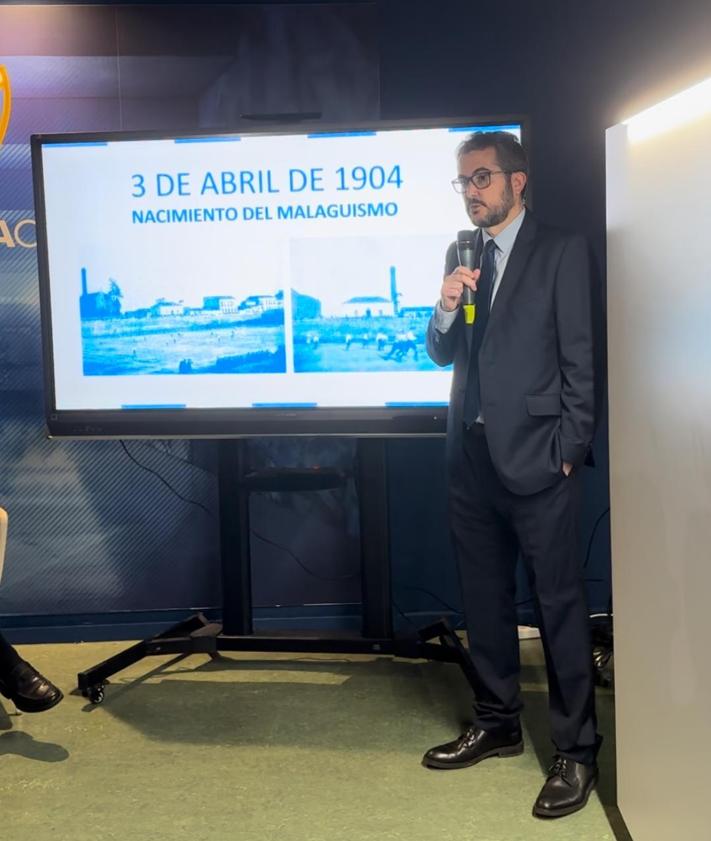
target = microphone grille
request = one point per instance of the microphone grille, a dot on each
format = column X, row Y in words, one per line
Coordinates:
column 467, row 237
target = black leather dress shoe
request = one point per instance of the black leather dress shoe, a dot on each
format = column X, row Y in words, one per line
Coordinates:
column 474, row 745
column 29, row 690
column 567, row 788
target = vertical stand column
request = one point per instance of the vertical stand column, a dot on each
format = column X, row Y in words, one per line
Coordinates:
column 375, row 538
column 234, row 539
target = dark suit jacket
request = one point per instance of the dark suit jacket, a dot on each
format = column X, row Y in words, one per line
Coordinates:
column 536, row 369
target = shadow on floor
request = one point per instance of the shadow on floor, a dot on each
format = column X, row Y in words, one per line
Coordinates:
column 23, row 744
column 304, row 702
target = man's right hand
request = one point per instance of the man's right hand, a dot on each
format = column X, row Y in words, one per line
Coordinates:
column 453, row 287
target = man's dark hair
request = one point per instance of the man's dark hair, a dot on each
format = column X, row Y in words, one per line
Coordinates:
column 509, row 152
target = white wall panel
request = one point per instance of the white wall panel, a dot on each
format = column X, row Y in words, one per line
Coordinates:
column 659, row 342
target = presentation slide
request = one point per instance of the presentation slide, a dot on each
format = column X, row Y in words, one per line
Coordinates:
column 249, row 271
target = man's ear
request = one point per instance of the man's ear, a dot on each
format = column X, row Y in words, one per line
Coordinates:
column 518, row 182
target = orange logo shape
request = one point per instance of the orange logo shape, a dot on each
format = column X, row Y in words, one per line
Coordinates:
column 5, row 101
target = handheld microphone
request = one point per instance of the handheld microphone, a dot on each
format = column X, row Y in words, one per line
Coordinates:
column 466, row 253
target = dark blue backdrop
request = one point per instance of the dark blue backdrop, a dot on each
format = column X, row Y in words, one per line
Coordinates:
column 93, row 533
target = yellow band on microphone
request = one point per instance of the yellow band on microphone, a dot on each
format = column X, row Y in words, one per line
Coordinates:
column 469, row 313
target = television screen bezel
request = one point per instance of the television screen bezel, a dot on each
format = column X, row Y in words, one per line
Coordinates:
column 381, row 421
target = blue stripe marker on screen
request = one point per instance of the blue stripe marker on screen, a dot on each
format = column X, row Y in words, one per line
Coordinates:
column 82, row 145
column 327, row 134
column 133, row 406
column 207, row 139
column 484, row 128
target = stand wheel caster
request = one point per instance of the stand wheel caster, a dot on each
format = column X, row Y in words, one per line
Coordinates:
column 95, row 694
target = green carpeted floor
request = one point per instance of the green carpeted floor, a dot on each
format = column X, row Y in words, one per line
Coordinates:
column 309, row 748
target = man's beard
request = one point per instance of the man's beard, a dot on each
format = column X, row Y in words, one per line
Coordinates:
column 494, row 215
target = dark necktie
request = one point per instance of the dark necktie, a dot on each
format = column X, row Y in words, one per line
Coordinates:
column 472, row 397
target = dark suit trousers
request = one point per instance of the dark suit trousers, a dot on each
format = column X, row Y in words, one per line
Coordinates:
column 490, row 526
column 9, row 658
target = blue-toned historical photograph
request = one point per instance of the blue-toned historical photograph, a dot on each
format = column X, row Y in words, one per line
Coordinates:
column 224, row 335
column 362, row 303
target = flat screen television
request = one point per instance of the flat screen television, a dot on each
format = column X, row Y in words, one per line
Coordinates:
column 271, row 282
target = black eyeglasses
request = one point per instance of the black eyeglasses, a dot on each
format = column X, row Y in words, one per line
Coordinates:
column 480, row 179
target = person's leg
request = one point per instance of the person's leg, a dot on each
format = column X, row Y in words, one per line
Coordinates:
column 30, row 691
column 9, row 658
column 547, row 525
column 486, row 553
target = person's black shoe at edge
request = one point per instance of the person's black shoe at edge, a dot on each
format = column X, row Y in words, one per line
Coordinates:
column 30, row 691
column 567, row 788
column 474, row 745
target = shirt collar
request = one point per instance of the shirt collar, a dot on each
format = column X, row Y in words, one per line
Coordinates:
column 505, row 239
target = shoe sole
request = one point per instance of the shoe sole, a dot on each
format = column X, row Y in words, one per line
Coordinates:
column 568, row 810
column 508, row 750
column 29, row 707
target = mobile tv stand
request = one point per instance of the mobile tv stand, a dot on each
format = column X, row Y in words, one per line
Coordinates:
column 195, row 635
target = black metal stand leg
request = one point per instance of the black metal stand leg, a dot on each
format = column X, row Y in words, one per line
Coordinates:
column 450, row 649
column 91, row 682
column 197, row 636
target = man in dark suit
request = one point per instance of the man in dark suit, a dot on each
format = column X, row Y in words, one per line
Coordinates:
column 520, row 424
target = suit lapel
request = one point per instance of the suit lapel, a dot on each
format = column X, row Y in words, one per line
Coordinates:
column 514, row 270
